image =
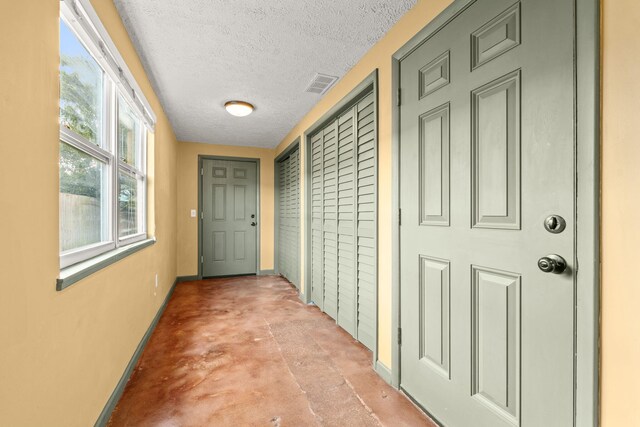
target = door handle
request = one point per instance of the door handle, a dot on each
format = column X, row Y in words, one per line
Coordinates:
column 253, row 224
column 552, row 264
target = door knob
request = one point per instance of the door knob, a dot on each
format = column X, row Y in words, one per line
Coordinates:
column 253, row 224
column 552, row 264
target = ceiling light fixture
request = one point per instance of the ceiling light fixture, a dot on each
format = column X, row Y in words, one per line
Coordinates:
column 238, row 108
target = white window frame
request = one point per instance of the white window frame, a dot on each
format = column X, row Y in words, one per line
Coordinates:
column 81, row 19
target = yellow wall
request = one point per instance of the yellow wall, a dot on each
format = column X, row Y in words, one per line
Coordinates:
column 188, row 153
column 620, row 375
column 62, row 353
column 378, row 57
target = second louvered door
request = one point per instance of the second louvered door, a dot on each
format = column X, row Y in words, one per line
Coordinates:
column 289, row 216
column 329, row 212
column 347, row 295
column 343, row 220
column 366, row 219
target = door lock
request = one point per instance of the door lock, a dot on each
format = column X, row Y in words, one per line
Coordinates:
column 253, row 224
column 552, row 264
column 555, row 224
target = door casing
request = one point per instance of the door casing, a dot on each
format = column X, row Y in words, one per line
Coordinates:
column 587, row 137
column 200, row 209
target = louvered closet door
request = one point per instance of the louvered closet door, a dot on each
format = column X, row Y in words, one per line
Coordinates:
column 294, row 247
column 347, row 294
column 317, row 186
column 343, row 220
column 282, row 197
column 366, row 227
column 330, row 237
column 289, row 217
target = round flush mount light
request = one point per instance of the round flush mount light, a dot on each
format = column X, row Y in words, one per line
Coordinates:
column 238, row 108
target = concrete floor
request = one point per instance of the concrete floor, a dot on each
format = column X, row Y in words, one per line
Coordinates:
column 247, row 352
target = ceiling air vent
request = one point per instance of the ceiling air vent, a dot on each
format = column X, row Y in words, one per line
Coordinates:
column 320, row 83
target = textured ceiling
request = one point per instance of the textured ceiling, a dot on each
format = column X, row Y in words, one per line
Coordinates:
column 201, row 53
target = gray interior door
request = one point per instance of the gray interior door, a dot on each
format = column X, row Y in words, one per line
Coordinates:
column 288, row 232
column 487, row 154
column 343, row 219
column 229, row 217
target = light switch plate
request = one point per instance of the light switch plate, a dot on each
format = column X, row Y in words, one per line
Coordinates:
column 193, row 213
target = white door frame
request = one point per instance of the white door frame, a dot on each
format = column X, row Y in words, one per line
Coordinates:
column 587, row 235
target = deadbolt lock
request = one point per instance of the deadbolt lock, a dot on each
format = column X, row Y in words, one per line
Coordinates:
column 552, row 264
column 555, row 224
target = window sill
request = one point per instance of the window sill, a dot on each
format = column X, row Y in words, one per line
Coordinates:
column 77, row 272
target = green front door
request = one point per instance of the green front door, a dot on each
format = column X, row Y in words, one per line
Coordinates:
column 229, row 217
column 487, row 154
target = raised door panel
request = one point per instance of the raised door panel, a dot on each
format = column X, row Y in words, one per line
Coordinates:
column 239, row 245
column 434, row 75
column 219, row 207
column 239, row 202
column 496, row 153
column 219, row 246
column 496, row 340
column 434, row 313
column 496, row 37
column 434, row 166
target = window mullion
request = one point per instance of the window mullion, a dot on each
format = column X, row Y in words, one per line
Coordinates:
column 113, row 145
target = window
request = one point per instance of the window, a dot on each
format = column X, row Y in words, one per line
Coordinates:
column 103, row 132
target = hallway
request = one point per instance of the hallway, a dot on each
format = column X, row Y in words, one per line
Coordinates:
column 245, row 351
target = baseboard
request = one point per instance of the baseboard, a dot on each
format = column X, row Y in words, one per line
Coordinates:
column 266, row 272
column 181, row 279
column 103, row 419
column 384, row 372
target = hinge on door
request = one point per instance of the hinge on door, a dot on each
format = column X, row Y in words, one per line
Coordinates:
column 399, row 97
column 202, row 260
column 202, row 215
column 399, row 336
column 399, row 216
column 202, row 171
